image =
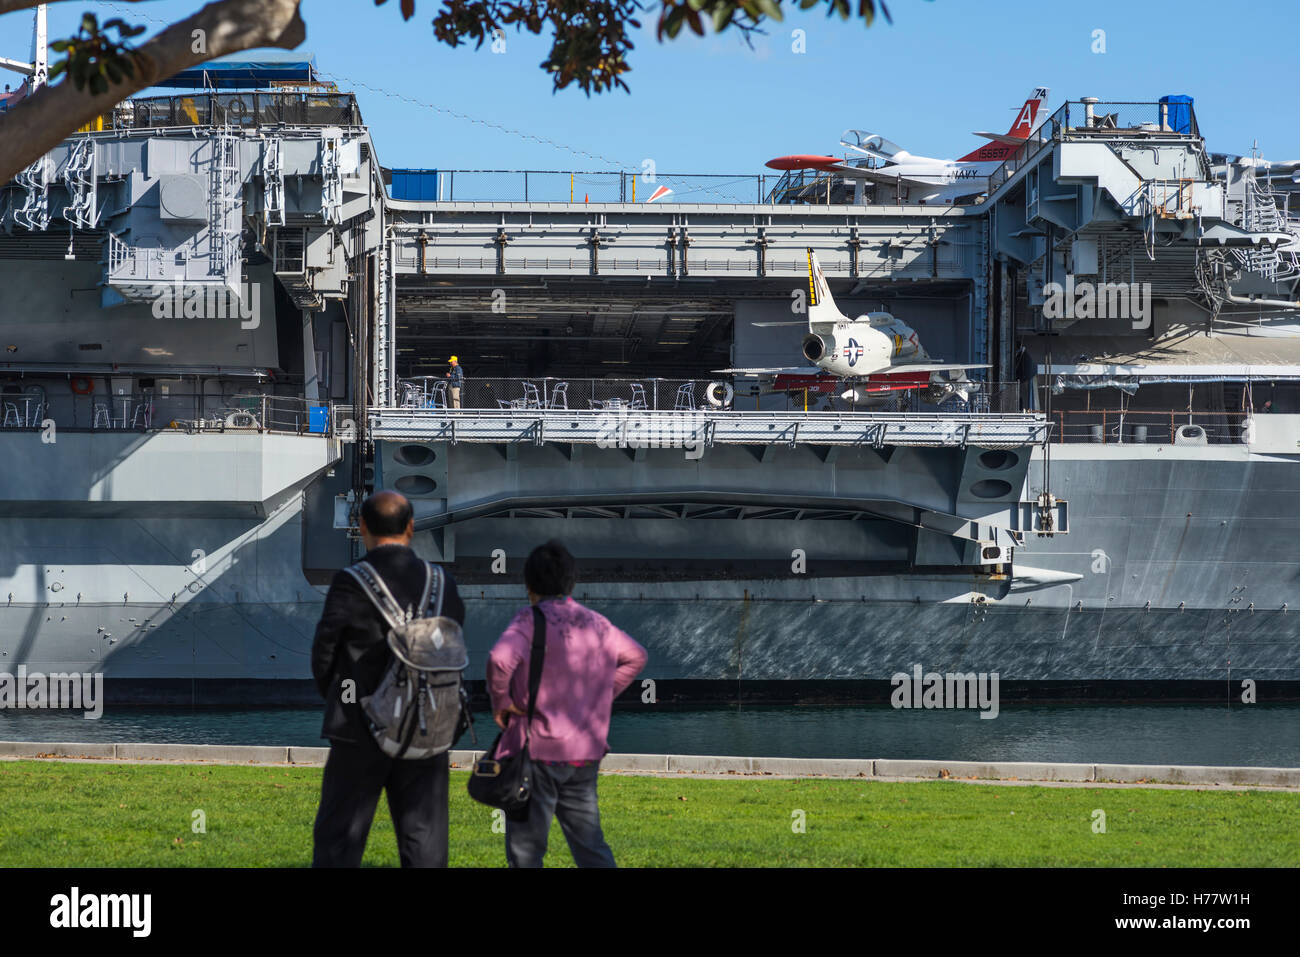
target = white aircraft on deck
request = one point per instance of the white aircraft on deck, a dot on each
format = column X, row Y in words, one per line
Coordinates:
column 874, row 353
column 928, row 180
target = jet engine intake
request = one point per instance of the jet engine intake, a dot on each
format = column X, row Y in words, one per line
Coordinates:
column 816, row 348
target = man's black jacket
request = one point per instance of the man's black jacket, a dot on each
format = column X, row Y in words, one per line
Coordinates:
column 351, row 639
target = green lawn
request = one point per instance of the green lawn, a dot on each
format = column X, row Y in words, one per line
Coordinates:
column 138, row 815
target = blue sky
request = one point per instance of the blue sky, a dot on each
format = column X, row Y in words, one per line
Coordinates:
column 943, row 69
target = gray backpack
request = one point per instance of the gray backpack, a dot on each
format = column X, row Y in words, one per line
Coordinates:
column 421, row 706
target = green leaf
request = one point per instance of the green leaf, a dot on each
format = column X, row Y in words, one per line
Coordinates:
column 770, row 8
column 721, row 15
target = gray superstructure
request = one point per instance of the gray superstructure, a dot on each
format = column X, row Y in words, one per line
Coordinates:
column 192, row 295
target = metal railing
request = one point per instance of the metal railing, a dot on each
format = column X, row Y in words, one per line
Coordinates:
column 148, row 411
column 431, row 392
column 241, row 110
column 572, row 186
column 810, row 186
column 1128, row 427
column 685, row 395
column 1109, row 120
column 704, row 429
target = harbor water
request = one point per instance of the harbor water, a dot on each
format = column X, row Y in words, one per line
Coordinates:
column 1260, row 735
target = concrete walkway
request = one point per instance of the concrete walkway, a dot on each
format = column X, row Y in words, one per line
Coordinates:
column 706, row 766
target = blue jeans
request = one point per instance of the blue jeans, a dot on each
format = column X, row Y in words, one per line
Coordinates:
column 568, row 793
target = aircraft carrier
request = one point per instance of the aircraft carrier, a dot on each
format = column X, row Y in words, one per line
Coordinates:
column 223, row 325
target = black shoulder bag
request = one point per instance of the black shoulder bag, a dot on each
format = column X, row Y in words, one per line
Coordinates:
column 507, row 783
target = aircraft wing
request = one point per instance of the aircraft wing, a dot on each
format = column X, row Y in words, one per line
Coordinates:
column 1002, row 138
column 928, row 367
column 878, row 175
column 802, row 370
column 769, row 325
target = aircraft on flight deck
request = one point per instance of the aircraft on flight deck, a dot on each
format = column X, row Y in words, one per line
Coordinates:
column 875, row 353
column 926, row 179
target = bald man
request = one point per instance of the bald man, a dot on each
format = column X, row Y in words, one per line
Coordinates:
column 348, row 660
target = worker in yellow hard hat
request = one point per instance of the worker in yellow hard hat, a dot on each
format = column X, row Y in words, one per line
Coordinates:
column 457, row 376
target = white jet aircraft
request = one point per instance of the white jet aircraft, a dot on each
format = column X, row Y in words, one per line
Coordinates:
column 874, row 353
column 923, row 179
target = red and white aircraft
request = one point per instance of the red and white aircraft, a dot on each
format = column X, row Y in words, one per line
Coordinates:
column 875, row 353
column 926, row 180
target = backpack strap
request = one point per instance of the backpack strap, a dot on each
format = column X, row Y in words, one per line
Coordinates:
column 536, row 658
column 377, row 591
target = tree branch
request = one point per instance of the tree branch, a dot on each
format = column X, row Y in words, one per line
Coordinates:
column 47, row 117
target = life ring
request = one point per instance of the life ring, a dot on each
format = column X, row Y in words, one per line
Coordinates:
column 711, row 394
column 242, row 420
column 82, row 385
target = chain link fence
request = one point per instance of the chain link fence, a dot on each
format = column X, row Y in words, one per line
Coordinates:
column 147, row 410
column 548, row 186
column 555, row 393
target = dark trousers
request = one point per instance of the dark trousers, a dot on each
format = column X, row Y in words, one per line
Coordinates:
column 567, row 793
column 417, row 801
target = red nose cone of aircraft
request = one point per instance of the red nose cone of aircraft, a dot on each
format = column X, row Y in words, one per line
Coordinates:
column 803, row 161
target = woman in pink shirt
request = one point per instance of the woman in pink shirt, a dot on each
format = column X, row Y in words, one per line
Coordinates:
column 587, row 664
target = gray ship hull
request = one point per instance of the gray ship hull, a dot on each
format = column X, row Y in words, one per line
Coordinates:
column 1177, row 573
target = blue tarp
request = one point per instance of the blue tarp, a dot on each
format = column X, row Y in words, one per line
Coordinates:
column 414, row 184
column 318, row 419
column 242, row 74
column 1180, row 112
